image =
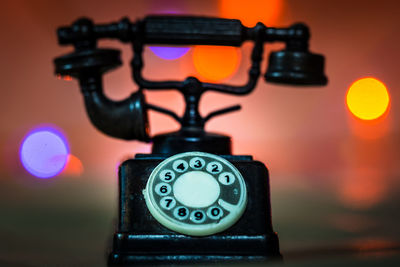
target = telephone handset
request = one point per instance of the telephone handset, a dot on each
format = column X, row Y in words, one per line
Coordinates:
column 190, row 200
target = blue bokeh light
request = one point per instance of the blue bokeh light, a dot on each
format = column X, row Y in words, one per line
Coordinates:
column 169, row 52
column 44, row 152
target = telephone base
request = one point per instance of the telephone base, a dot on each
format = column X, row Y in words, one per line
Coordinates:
column 151, row 260
column 141, row 240
column 180, row 249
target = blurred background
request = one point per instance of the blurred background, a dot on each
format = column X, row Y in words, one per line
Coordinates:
column 332, row 152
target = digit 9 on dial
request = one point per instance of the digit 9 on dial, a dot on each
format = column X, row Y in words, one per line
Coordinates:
column 196, row 193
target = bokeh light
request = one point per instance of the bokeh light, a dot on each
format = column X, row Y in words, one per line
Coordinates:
column 367, row 98
column 44, row 152
column 64, row 77
column 250, row 12
column 363, row 187
column 73, row 167
column 168, row 52
column 370, row 129
column 216, row 63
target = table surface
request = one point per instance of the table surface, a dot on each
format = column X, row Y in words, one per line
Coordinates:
column 69, row 222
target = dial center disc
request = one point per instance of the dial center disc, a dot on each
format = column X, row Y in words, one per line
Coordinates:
column 196, row 189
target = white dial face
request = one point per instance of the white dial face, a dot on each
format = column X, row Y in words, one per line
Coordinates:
column 196, row 193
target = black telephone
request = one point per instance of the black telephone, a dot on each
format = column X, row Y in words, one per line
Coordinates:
column 190, row 200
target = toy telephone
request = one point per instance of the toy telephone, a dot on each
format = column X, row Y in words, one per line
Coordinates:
column 190, row 200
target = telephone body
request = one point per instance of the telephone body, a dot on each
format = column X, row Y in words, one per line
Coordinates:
column 190, row 200
column 141, row 238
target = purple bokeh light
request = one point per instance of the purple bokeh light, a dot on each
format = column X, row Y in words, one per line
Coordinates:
column 168, row 52
column 44, row 152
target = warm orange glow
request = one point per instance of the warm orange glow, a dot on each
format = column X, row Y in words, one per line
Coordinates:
column 367, row 98
column 351, row 222
column 251, row 11
column 363, row 188
column 370, row 129
column 375, row 245
column 64, row 77
column 73, row 167
column 216, row 63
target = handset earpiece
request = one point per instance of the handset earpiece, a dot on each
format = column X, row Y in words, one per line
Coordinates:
column 296, row 68
column 87, row 62
column 296, row 65
column 126, row 119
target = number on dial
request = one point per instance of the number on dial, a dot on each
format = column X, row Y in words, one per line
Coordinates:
column 180, row 165
column 214, row 167
column 167, row 175
column 198, row 216
column 167, row 203
column 226, row 178
column 215, row 212
column 181, row 213
column 163, row 189
column 197, row 163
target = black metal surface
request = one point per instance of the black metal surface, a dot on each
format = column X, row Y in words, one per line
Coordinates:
column 174, row 260
column 126, row 119
column 183, row 30
column 184, row 141
column 227, row 157
column 189, row 30
column 79, row 63
column 141, row 239
column 296, row 68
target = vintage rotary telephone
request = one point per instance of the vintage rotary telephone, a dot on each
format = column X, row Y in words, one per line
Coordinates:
column 190, row 200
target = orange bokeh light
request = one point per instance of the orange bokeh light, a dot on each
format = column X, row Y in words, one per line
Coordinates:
column 251, row 11
column 370, row 129
column 73, row 167
column 64, row 77
column 216, row 63
column 367, row 98
column 363, row 188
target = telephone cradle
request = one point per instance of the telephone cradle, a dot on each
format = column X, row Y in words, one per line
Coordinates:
column 190, row 200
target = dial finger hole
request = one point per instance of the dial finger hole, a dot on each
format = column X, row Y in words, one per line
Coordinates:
column 167, row 175
column 163, row 189
column 198, row 216
column 181, row 213
column 226, row 178
column 214, row 167
column 167, row 203
column 180, row 165
column 215, row 213
column 197, row 163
